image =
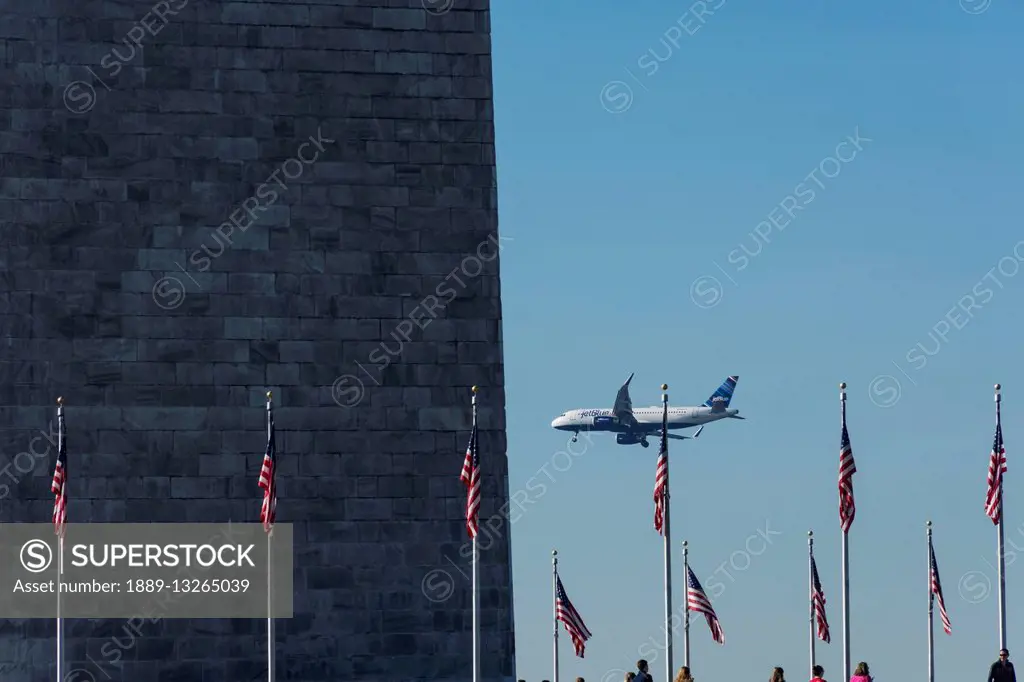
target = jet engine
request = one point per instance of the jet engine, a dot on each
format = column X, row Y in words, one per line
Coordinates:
column 627, row 438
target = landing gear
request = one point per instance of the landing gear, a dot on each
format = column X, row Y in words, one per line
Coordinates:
column 575, row 436
column 645, row 443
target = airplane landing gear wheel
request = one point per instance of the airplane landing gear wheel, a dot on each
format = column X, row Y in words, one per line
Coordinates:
column 645, row 444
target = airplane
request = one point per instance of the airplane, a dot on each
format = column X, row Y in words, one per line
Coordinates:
column 634, row 426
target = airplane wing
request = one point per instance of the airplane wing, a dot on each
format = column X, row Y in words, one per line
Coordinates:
column 678, row 437
column 623, row 409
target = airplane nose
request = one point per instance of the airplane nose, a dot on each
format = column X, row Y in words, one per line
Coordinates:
column 555, row 422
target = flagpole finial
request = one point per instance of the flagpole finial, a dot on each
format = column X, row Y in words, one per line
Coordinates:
column 810, row 533
column 685, row 544
column 842, row 386
column 475, row 389
column 60, row 401
column 664, row 387
column 929, row 524
column 554, row 552
column 269, row 395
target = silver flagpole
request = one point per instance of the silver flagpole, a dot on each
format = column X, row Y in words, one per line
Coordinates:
column 999, row 539
column 846, row 572
column 476, row 583
column 60, row 554
column 668, row 546
column 271, row 638
column 810, row 591
column 686, row 603
column 931, row 606
column 554, row 605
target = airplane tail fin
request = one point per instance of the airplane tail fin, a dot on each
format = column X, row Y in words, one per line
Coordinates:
column 721, row 398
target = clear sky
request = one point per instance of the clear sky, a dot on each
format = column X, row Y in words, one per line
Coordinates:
column 620, row 220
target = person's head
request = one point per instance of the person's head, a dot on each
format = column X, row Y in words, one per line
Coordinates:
column 683, row 675
column 777, row 675
column 641, row 665
column 817, row 671
column 630, row 677
column 580, row 679
column 1004, row 655
column 862, row 669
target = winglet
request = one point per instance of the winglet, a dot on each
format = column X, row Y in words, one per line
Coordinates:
column 721, row 398
column 629, row 379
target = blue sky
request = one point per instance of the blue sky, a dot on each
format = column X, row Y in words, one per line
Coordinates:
column 614, row 216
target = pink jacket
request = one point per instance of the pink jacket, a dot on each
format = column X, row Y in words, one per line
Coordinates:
column 860, row 678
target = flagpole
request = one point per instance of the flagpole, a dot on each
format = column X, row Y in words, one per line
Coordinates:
column 668, row 544
column 271, row 635
column 554, row 605
column 810, row 592
column 999, row 539
column 60, row 558
column 931, row 607
column 846, row 570
column 686, row 611
column 476, row 586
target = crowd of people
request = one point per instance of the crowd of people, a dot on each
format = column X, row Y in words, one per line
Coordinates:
column 1001, row 671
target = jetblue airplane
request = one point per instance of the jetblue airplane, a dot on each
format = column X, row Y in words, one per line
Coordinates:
column 634, row 426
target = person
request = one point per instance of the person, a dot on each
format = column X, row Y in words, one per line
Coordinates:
column 777, row 675
column 684, row 675
column 642, row 674
column 1002, row 670
column 861, row 674
column 818, row 673
column 630, row 677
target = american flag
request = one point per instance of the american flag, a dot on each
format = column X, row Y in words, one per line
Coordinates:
column 661, row 483
column 470, row 477
column 268, row 477
column 60, row 478
column 567, row 614
column 937, row 591
column 818, row 599
column 697, row 601
column 847, row 468
column 996, row 469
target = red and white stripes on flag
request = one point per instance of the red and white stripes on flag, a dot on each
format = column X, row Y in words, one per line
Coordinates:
column 937, row 594
column 697, row 600
column 661, row 484
column 60, row 478
column 268, row 476
column 818, row 599
column 470, row 477
column 996, row 469
column 847, row 468
column 567, row 614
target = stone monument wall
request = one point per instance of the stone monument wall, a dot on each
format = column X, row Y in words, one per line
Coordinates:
column 201, row 201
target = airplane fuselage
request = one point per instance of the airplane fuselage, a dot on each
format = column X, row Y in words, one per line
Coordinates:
column 648, row 419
